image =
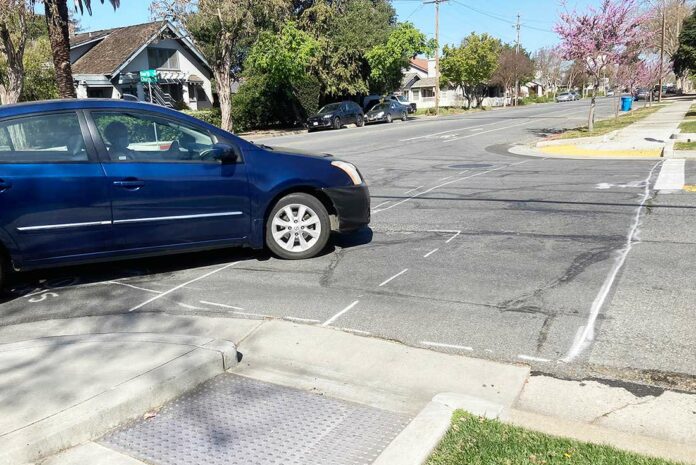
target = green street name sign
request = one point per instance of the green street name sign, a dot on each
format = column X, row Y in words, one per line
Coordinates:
column 148, row 76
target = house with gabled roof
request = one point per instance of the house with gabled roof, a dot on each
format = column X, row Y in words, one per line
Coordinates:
column 107, row 64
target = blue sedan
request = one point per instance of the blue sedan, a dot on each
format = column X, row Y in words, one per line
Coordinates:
column 96, row 180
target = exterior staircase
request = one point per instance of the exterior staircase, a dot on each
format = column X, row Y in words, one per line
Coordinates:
column 160, row 97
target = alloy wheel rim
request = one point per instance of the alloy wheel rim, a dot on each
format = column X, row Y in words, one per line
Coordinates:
column 296, row 228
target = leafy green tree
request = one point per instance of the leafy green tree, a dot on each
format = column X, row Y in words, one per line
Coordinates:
column 387, row 61
column 224, row 31
column 685, row 57
column 470, row 65
column 39, row 75
column 15, row 19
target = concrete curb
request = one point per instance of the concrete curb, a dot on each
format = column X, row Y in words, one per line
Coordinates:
column 95, row 416
column 415, row 444
column 91, row 453
column 579, row 140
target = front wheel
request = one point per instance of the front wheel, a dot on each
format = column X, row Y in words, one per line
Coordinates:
column 337, row 123
column 298, row 227
column 404, row 117
column 360, row 121
column 4, row 270
column 389, row 118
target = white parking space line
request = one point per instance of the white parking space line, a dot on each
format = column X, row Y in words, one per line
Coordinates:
column 456, row 232
column 133, row 287
column 339, row 314
column 159, row 296
column 411, row 190
column 446, row 346
column 356, row 331
column 445, row 178
column 383, row 203
column 393, row 277
column 671, row 175
column 430, row 253
column 300, row 320
column 585, row 334
column 246, row 314
column 529, row 358
column 231, row 307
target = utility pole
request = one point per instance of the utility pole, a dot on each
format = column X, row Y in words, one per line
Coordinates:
column 517, row 52
column 437, row 52
column 662, row 48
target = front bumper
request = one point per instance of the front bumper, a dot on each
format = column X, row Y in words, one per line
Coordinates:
column 374, row 119
column 318, row 123
column 352, row 205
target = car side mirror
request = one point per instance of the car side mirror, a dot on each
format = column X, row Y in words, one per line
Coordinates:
column 225, row 153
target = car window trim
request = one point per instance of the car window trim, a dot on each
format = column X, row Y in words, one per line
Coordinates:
column 102, row 147
column 90, row 149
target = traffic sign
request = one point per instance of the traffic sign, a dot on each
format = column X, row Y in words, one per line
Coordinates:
column 148, row 76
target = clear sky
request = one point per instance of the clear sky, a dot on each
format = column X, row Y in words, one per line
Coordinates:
column 457, row 18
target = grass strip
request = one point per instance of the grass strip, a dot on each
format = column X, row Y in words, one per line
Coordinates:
column 685, row 146
column 606, row 126
column 688, row 126
column 477, row 441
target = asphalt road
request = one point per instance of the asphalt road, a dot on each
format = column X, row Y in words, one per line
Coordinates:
column 471, row 250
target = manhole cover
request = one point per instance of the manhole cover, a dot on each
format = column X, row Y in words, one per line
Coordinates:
column 471, row 165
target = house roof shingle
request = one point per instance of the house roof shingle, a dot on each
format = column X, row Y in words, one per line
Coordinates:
column 420, row 63
column 425, row 82
column 408, row 80
column 116, row 47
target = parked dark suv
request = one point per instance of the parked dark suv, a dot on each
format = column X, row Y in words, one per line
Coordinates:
column 335, row 115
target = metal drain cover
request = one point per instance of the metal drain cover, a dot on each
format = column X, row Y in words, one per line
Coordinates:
column 235, row 420
column 470, row 165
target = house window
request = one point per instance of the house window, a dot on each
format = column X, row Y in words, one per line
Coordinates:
column 416, row 94
column 428, row 92
column 162, row 58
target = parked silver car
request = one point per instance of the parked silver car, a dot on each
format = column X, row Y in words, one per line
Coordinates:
column 565, row 97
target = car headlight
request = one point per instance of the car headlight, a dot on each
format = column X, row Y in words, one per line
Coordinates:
column 380, row 114
column 350, row 170
column 327, row 116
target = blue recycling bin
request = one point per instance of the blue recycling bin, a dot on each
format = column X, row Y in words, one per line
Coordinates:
column 626, row 103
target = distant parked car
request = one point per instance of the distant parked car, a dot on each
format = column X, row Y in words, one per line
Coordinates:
column 386, row 112
column 336, row 115
column 401, row 99
column 642, row 94
column 565, row 97
column 576, row 95
column 610, row 93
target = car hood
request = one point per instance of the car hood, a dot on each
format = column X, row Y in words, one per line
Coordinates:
column 294, row 152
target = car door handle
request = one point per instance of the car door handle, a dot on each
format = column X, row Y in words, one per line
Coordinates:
column 4, row 185
column 130, row 183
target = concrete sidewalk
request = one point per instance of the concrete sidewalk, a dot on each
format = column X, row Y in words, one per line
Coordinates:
column 647, row 138
column 69, row 382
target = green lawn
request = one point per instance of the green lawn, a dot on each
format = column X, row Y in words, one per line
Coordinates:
column 685, row 145
column 606, row 126
column 688, row 126
column 476, row 441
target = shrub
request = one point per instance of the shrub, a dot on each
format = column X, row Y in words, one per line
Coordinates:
column 209, row 116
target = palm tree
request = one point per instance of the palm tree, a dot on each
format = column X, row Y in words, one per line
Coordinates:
column 57, row 19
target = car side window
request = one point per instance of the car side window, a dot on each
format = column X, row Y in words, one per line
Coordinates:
column 49, row 138
column 137, row 137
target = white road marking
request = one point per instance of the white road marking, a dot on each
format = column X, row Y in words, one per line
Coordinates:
column 447, row 177
column 477, row 129
column 339, row 314
column 231, row 307
column 490, row 130
column 383, row 203
column 430, row 253
column 132, row 286
column 529, row 358
column 456, row 232
column 671, row 175
column 394, row 277
column 450, row 182
column 300, row 320
column 446, row 346
column 414, row 189
column 190, row 307
column 356, row 331
column 586, row 333
column 159, row 296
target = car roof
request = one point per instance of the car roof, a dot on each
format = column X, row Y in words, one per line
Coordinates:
column 17, row 109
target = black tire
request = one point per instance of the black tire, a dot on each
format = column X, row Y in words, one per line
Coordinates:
column 360, row 121
column 4, row 271
column 337, row 123
column 310, row 129
column 318, row 208
column 389, row 118
column 404, row 117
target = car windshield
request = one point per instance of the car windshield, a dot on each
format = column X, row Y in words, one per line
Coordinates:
column 564, row 94
column 329, row 107
column 402, row 99
column 380, row 106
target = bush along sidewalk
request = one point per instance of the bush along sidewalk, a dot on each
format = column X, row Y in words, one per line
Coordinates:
column 474, row 440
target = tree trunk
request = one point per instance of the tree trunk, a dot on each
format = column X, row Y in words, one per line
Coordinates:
column 11, row 89
column 590, row 119
column 617, row 102
column 58, row 33
column 223, row 83
column 11, row 92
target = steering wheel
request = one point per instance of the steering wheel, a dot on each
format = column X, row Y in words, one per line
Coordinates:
column 207, row 155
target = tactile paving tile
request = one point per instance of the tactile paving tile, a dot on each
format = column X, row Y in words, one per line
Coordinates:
column 232, row 420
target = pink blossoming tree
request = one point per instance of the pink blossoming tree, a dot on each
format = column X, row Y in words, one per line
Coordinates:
column 601, row 37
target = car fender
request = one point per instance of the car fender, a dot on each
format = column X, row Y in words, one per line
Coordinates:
column 8, row 242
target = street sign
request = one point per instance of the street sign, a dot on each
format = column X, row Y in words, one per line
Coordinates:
column 148, row 76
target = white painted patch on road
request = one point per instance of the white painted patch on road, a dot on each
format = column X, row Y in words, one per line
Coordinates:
column 340, row 314
column 445, row 178
column 383, row 203
column 159, row 296
column 189, row 307
column 393, row 277
column 446, row 346
column 587, row 333
column 671, row 175
column 430, row 253
column 529, row 358
column 455, row 233
column 133, row 287
column 300, row 320
column 356, row 331
column 231, row 307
